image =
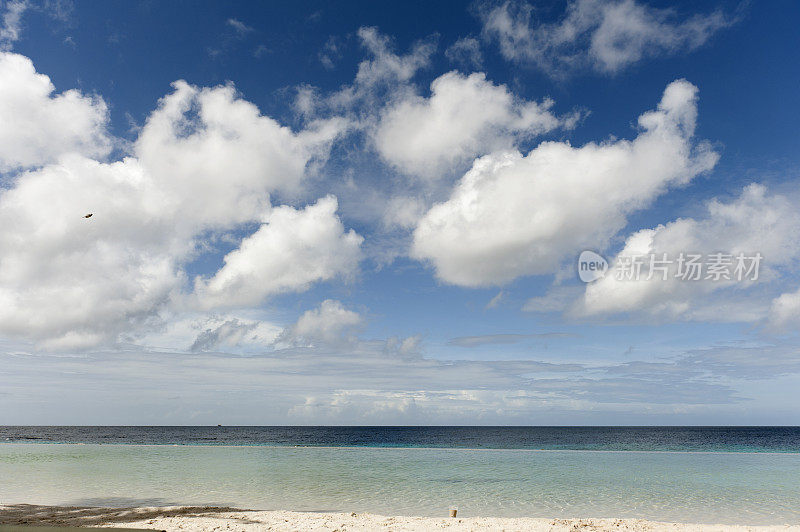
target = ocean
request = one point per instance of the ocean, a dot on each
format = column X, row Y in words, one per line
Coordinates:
column 691, row 474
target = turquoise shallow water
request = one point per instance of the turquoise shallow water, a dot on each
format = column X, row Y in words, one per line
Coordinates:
column 752, row 488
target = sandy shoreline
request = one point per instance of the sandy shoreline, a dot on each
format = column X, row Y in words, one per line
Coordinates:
column 190, row 519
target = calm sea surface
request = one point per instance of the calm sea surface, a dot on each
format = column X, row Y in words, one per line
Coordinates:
column 728, row 475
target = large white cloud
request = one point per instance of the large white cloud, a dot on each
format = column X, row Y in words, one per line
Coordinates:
column 513, row 215
column 37, row 126
column 755, row 222
column 464, row 116
column 293, row 249
column 205, row 162
column 607, row 35
column 220, row 158
column 76, row 282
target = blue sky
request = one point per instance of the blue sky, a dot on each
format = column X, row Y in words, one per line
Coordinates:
column 372, row 214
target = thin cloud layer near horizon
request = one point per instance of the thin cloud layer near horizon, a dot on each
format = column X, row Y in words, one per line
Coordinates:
column 373, row 215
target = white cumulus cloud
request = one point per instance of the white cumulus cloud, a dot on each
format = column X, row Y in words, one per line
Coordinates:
column 291, row 250
column 513, row 215
column 464, row 116
column 220, row 158
column 37, row 126
column 205, row 163
column 755, row 222
column 75, row 282
column 329, row 324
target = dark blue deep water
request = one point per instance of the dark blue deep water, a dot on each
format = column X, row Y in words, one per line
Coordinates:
column 710, row 439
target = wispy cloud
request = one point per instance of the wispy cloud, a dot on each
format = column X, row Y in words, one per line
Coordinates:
column 331, row 52
column 605, row 35
column 236, row 32
column 239, row 27
column 11, row 23
column 466, row 52
column 496, row 300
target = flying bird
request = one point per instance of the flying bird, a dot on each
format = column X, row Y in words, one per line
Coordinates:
column 89, row 215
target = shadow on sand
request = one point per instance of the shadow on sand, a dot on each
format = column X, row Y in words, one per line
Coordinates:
column 31, row 514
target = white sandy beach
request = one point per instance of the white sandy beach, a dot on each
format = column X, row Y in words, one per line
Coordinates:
column 191, row 519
